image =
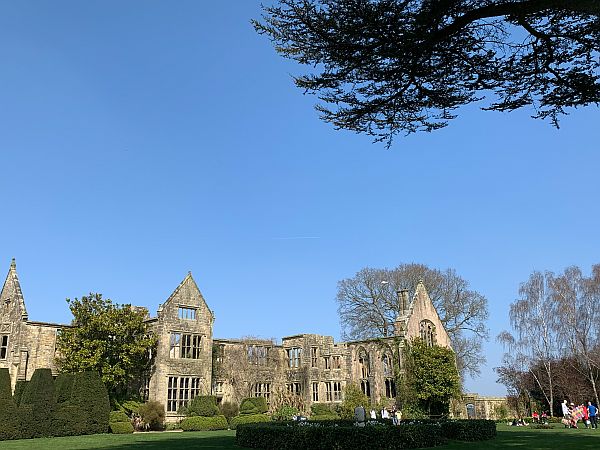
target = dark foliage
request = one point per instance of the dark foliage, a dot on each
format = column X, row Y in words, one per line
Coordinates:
column 344, row 434
column 9, row 414
column 69, row 420
column 90, row 394
column 382, row 67
column 63, row 386
column 19, row 389
column 121, row 428
column 38, row 405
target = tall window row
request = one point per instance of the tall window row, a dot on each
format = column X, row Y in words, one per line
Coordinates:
column 180, row 391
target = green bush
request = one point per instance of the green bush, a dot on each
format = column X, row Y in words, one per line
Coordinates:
column 285, row 413
column 322, row 409
column 253, row 418
column 198, row 423
column 325, row 436
column 9, row 415
column 330, row 416
column 229, row 409
column 19, row 388
column 153, row 414
column 253, row 405
column 121, row 427
column 469, row 430
column 38, row 405
column 202, row 405
column 130, row 407
column 90, row 394
column 118, row 416
column 69, row 420
column 63, row 386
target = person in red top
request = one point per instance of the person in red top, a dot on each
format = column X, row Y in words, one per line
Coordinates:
column 586, row 416
column 535, row 417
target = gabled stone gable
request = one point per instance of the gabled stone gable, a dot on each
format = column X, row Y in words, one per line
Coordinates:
column 421, row 308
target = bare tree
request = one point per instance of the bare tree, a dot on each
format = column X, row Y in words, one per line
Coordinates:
column 368, row 307
column 534, row 317
column 578, row 297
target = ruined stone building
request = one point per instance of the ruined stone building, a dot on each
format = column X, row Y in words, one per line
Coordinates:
column 190, row 361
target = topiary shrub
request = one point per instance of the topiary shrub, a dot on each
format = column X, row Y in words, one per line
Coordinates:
column 10, row 423
column 198, row 423
column 252, row 418
column 202, row 405
column 229, row 409
column 69, row 420
column 152, row 414
column 63, row 386
column 90, row 394
column 121, row 427
column 38, row 405
column 117, row 416
column 253, row 405
column 19, row 388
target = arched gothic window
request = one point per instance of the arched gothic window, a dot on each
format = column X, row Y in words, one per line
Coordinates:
column 363, row 364
column 427, row 332
column 386, row 362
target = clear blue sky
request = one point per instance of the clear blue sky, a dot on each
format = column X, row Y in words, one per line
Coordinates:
column 143, row 139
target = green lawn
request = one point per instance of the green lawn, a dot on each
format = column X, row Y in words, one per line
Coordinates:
column 508, row 437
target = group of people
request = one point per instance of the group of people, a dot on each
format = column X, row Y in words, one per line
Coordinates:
column 394, row 414
column 588, row 414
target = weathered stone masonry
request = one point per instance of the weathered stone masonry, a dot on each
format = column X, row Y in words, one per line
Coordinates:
column 189, row 361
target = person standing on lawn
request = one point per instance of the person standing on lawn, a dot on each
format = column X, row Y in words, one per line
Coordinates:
column 593, row 413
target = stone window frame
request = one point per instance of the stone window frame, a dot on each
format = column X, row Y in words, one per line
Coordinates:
column 294, row 387
column 328, row 391
column 4, row 346
column 294, row 357
column 337, row 391
column 180, row 391
column 185, row 345
column 315, row 391
column 427, row 332
column 390, row 387
column 314, row 356
column 327, row 362
column 185, row 312
column 258, row 354
column 337, row 362
column 387, row 365
column 263, row 390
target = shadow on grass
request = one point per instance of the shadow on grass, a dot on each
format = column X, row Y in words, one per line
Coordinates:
column 150, row 441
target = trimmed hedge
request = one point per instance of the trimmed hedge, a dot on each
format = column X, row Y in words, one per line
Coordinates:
column 203, row 405
column 38, row 405
column 69, row 420
column 330, row 416
column 469, row 430
column 19, row 389
column 121, row 427
column 253, row 405
column 118, row 416
column 63, row 386
column 323, row 436
column 253, row 418
column 89, row 393
column 198, row 423
column 9, row 414
column 376, row 434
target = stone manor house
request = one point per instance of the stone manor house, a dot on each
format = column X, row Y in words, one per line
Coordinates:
column 190, row 361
